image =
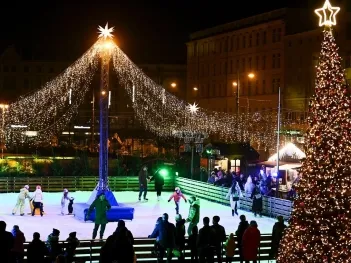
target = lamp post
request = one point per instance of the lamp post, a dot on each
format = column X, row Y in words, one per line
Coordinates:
column 237, row 85
column 3, row 108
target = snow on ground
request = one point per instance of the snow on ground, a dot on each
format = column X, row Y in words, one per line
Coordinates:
column 145, row 215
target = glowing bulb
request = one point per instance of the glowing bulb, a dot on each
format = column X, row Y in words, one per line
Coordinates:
column 251, row 75
column 195, row 88
column 173, row 84
column 235, row 84
column 103, row 92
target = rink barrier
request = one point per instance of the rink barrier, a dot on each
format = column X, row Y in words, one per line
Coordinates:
column 89, row 250
column 81, row 183
column 272, row 206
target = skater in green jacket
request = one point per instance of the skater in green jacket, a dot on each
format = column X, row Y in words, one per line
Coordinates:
column 101, row 206
column 194, row 213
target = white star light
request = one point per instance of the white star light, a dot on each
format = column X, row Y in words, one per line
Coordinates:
column 106, row 32
column 327, row 14
column 193, row 108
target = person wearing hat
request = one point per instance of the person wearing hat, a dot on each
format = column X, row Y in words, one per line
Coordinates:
column 72, row 244
column 24, row 193
column 53, row 245
column 65, row 197
column 194, row 213
column 101, row 206
column 176, row 196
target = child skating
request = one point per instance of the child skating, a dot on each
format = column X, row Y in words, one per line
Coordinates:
column 176, row 196
column 65, row 197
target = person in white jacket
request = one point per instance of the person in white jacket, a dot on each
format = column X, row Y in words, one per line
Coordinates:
column 38, row 200
column 234, row 193
column 249, row 187
column 65, row 197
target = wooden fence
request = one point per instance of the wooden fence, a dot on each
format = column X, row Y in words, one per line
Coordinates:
column 89, row 250
column 271, row 206
column 83, row 183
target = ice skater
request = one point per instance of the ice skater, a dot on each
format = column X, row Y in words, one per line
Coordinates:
column 70, row 206
column 38, row 200
column 24, row 193
column 176, row 196
column 143, row 180
column 159, row 182
column 101, row 206
column 234, row 193
column 65, row 197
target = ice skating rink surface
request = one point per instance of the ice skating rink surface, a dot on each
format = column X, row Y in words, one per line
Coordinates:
column 145, row 215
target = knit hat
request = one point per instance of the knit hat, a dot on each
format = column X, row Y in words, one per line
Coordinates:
column 56, row 232
column 177, row 189
column 178, row 217
column 73, row 234
column 65, row 190
column 26, row 186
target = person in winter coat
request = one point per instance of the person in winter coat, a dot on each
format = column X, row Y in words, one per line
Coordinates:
column 157, row 244
column 176, row 196
column 194, row 213
column 36, row 250
column 234, row 194
column 206, row 242
column 192, row 244
column 159, row 182
column 143, row 180
column 24, row 193
column 53, row 245
column 249, row 186
column 277, row 235
column 65, row 197
column 219, row 237
column 257, row 201
column 17, row 252
column 6, row 243
column 251, row 242
column 165, row 231
column 229, row 248
column 243, row 225
column 180, row 236
column 101, row 206
column 37, row 200
column 72, row 244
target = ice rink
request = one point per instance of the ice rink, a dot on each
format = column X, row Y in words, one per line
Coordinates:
column 145, row 215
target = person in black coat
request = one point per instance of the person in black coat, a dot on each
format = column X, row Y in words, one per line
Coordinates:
column 6, row 243
column 165, row 233
column 277, row 235
column 180, row 236
column 159, row 182
column 220, row 237
column 36, row 250
column 143, row 180
column 257, row 201
column 243, row 225
column 206, row 242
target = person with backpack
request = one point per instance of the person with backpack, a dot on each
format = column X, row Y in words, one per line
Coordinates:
column 234, row 194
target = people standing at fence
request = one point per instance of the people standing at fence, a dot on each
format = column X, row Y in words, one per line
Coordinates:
column 229, row 248
column 176, row 196
column 17, row 252
column 192, row 245
column 251, row 242
column 37, row 200
column 277, row 235
column 65, row 197
column 206, row 242
column 72, row 244
column 219, row 237
column 101, row 206
column 243, row 225
column 159, row 182
column 257, row 201
column 21, row 200
column 36, row 250
column 143, row 180
column 249, row 186
column 194, row 213
column 234, row 193
column 53, row 244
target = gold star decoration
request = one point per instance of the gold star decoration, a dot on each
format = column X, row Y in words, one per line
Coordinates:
column 105, row 32
column 193, row 108
column 327, row 14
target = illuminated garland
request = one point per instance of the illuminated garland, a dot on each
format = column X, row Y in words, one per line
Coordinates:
column 320, row 225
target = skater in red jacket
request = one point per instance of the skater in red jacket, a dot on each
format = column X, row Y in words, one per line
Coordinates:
column 176, row 196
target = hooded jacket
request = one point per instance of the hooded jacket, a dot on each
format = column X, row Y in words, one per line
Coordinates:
column 194, row 212
column 24, row 193
column 38, row 196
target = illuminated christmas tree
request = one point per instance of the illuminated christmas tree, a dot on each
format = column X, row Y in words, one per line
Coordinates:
column 320, row 226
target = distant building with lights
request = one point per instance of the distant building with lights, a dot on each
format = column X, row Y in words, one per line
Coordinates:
column 280, row 48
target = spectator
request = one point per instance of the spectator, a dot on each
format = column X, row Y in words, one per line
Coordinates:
column 251, row 242
column 72, row 244
column 205, row 242
column 121, row 226
column 157, row 245
column 230, row 248
column 166, row 233
column 241, row 181
column 194, row 213
column 180, row 236
column 277, row 235
column 18, row 247
column 6, row 243
column 212, row 178
column 257, row 201
column 192, row 244
column 243, row 225
column 53, row 245
column 219, row 237
column 36, row 250
column 249, row 186
column 60, row 259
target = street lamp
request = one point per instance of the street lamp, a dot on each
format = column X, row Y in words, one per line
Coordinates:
column 237, row 85
column 195, row 88
column 3, row 108
column 173, row 84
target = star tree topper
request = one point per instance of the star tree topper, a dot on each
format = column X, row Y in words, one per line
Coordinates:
column 106, row 32
column 327, row 14
column 193, row 108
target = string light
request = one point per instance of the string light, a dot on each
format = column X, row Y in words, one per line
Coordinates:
column 320, row 224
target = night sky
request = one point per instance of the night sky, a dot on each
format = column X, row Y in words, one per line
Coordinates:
column 148, row 31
